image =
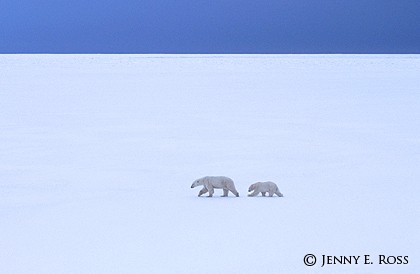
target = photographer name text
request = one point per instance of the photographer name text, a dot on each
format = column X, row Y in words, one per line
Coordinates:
column 329, row 260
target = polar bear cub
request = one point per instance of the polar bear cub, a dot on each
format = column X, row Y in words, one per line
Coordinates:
column 264, row 187
column 209, row 183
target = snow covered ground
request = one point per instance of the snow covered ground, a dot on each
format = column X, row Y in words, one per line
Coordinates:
column 98, row 153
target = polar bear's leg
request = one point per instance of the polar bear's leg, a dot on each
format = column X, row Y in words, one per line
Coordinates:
column 232, row 189
column 263, row 193
column 278, row 193
column 236, row 193
column 225, row 192
column 270, row 193
column 211, row 191
column 202, row 191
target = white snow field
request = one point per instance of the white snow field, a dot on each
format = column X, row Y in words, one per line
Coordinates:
column 98, row 153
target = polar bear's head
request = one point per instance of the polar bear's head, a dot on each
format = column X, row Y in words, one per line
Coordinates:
column 195, row 183
column 252, row 187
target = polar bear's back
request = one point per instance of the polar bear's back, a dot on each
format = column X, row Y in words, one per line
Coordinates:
column 219, row 178
column 222, row 178
column 218, row 181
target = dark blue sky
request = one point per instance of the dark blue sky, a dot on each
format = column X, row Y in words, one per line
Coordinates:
column 209, row 26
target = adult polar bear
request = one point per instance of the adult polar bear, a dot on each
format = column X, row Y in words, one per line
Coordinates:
column 264, row 187
column 209, row 183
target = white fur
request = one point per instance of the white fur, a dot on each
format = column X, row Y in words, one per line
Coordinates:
column 209, row 183
column 264, row 187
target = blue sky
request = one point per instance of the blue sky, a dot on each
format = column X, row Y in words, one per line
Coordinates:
column 210, row 26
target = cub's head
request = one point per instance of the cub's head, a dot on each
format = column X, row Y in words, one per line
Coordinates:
column 195, row 183
column 252, row 187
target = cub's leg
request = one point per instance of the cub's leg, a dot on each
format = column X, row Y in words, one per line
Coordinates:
column 253, row 194
column 202, row 191
column 271, row 193
column 225, row 192
column 263, row 193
